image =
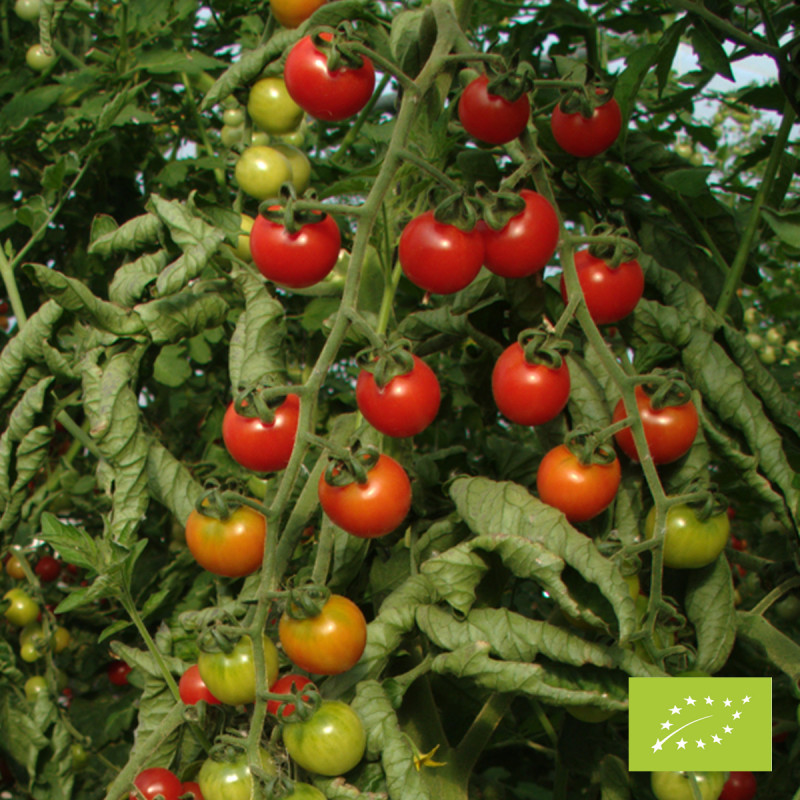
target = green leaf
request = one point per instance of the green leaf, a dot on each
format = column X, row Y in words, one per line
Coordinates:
column 135, row 234
column 709, row 50
column 785, row 225
column 170, row 482
column 75, row 546
column 411, row 39
column 172, row 367
column 710, row 608
column 181, row 315
column 166, row 62
column 612, row 775
column 131, row 280
column 689, row 182
column 769, row 643
column 667, row 48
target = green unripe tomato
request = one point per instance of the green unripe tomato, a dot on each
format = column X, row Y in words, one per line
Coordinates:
column 788, row 608
column 793, row 347
column 684, row 149
column 754, row 340
column 233, row 117
column 301, row 166
column 38, row 59
column 305, row 791
column 231, row 779
column 231, row 677
column 79, row 756
column 768, row 354
column 260, row 172
column 690, row 542
column 271, row 107
column 21, row 608
column 27, row 10
column 259, row 139
column 243, row 243
column 696, row 159
column 61, row 639
column 677, row 786
column 751, row 316
column 232, row 135
column 774, row 336
column 34, row 687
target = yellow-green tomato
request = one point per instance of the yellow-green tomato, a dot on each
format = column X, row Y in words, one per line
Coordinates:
column 231, row 135
column 38, row 59
column 27, row 10
column 260, row 172
column 305, row 791
column 233, row 117
column 690, row 542
column 271, row 107
column 22, row 609
column 34, row 687
column 231, row 677
column 677, row 785
column 301, row 166
column 231, row 779
column 61, row 639
column 259, row 139
column 243, row 243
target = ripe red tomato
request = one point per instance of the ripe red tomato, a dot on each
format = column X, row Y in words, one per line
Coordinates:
column 490, row 117
column 581, row 491
column 525, row 393
column 296, row 260
column 260, row 446
column 669, row 431
column 587, row 136
column 288, row 685
column 405, row 406
column 739, row 786
column 233, row 547
column 193, row 688
column 192, row 788
column 369, row 509
column 157, row 781
column 326, row 95
column 439, row 257
column 47, row 568
column 118, row 672
column 610, row 293
column 328, row 644
column 526, row 243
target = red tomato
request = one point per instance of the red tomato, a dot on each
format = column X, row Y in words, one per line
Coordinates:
column 371, row 509
column 739, row 786
column 669, row 431
column 233, row 547
column 405, row 406
column 157, row 781
column 587, row 136
column 610, row 293
column 526, row 243
column 288, row 685
column 326, row 95
column 328, row 644
column 296, row 260
column 262, row 447
column 193, row 688
column 439, row 257
column 291, row 13
column 490, row 117
column 118, row 672
column 525, row 393
column 581, row 491
column 47, row 568
column 192, row 788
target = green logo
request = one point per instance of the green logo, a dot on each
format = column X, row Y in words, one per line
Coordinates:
column 700, row 724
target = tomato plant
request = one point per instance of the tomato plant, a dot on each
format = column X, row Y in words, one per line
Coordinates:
column 271, row 108
column 298, row 259
column 669, row 431
column 529, row 393
column 526, row 243
column 291, row 13
column 193, row 688
column 690, row 542
column 490, row 117
column 405, row 406
column 583, row 136
column 611, row 293
column 330, row 642
column 156, row 781
column 231, row 677
column 330, row 742
column 677, row 785
column 581, row 491
column 21, row 609
column 373, row 508
column 233, row 546
column 439, row 257
column 230, row 778
column 118, row 672
column 261, row 171
column 288, row 685
column 739, row 786
column 327, row 95
column 262, row 446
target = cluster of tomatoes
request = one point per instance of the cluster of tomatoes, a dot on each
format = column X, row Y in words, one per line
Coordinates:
column 37, row 57
column 711, row 785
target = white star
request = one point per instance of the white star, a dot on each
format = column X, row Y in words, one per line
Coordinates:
column 657, row 745
column 701, row 744
column 737, row 715
column 666, row 725
column 681, row 744
column 709, row 701
column 746, row 699
column 728, row 729
column 727, row 703
column 716, row 738
column 675, row 710
column 689, row 700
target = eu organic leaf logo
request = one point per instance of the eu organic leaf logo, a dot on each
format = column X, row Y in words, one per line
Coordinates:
column 700, row 724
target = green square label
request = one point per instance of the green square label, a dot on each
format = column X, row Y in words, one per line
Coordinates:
column 700, row 724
